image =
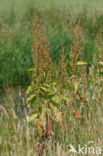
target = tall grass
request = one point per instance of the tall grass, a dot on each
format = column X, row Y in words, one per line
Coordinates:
column 59, row 19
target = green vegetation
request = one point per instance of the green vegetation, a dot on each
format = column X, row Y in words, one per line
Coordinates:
column 51, row 70
column 59, row 19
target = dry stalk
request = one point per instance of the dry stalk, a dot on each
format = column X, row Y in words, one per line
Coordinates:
column 4, row 111
column 75, row 47
column 40, row 50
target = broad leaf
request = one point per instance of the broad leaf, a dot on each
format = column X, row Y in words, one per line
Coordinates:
column 81, row 63
column 32, row 117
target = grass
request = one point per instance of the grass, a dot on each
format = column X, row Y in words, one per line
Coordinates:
column 59, row 19
column 22, row 5
column 18, row 136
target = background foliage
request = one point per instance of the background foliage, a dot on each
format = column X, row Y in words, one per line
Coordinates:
column 59, row 20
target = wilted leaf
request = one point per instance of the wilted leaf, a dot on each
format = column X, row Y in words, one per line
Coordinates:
column 52, row 133
column 80, row 96
column 100, row 63
column 38, row 123
column 52, row 107
column 58, row 115
column 41, row 133
column 77, row 114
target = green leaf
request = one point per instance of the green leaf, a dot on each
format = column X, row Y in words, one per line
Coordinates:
column 66, row 98
column 29, row 89
column 32, row 117
column 81, row 63
column 76, row 85
column 52, row 107
column 56, row 99
column 31, row 97
column 45, row 89
column 31, row 69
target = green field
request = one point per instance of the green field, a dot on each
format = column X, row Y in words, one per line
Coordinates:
column 20, row 6
column 59, row 18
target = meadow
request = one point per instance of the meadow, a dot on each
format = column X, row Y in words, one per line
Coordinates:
column 51, row 77
column 59, row 19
